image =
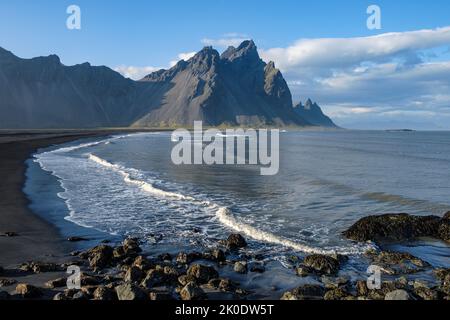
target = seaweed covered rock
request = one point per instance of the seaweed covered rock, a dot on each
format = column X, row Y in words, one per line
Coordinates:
column 322, row 264
column 397, row 262
column 399, row 227
column 305, row 292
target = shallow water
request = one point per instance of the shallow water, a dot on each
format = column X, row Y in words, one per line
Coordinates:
column 127, row 185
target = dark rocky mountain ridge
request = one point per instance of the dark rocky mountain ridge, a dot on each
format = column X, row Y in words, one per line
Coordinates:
column 235, row 88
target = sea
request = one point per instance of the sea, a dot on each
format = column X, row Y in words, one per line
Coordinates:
column 127, row 185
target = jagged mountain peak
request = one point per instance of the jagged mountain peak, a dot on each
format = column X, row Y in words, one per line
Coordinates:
column 312, row 112
column 245, row 49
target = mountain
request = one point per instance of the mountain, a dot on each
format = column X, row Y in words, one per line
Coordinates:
column 312, row 113
column 43, row 93
column 235, row 88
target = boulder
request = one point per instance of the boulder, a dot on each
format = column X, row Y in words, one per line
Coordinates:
column 236, row 241
column 40, row 267
column 104, row 293
column 130, row 291
column 185, row 279
column 257, row 267
column 215, row 255
column 76, row 239
column 99, row 257
column 160, row 296
column 397, row 295
column 397, row 262
column 334, row 283
column 171, row 272
column 60, row 296
column 142, row 263
column 7, row 282
column 444, row 228
column 336, row 294
column 57, row 283
column 398, row 227
column 305, row 292
column 131, row 246
column 361, row 288
column 134, row 274
column 10, row 234
column 322, row 264
column 192, row 292
column 88, row 280
column 81, row 296
column 202, row 273
column 226, row 285
column 28, row 291
column 426, row 293
column 240, row 267
column 186, row 258
column 165, row 257
column 155, row 278
column 303, row 271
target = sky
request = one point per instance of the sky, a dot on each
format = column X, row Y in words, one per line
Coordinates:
column 389, row 78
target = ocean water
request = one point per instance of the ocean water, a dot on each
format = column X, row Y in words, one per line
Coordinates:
column 127, row 185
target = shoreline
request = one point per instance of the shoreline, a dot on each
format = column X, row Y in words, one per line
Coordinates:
column 36, row 237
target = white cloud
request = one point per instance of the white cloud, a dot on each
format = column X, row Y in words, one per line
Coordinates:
column 334, row 52
column 398, row 76
column 135, row 73
column 182, row 56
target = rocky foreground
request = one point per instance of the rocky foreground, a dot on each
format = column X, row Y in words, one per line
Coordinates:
column 124, row 273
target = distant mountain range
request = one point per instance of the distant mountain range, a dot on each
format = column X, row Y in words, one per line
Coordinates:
column 235, row 88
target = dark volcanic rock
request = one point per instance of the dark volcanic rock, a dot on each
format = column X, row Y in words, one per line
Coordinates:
column 192, row 292
column 40, row 267
column 57, row 283
column 322, row 264
column 134, row 274
column 130, row 291
column 397, row 262
column 7, row 282
column 240, row 267
column 28, row 291
column 398, row 227
column 305, row 292
column 76, row 239
column 103, row 293
column 202, row 273
column 236, row 241
column 9, row 234
column 99, row 257
column 155, row 278
column 336, row 294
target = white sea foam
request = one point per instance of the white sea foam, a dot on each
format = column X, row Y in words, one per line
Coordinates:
column 225, row 216
column 147, row 187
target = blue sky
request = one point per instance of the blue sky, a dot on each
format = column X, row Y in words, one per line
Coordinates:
column 137, row 36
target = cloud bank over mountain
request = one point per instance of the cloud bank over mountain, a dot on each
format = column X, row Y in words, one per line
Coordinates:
column 379, row 81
